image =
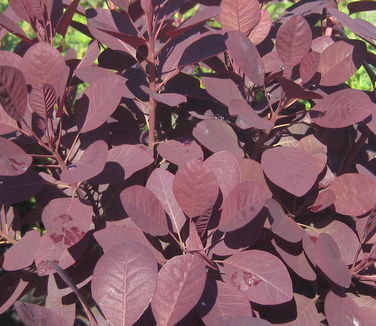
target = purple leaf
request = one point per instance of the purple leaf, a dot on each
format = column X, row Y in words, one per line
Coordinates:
column 328, row 259
column 90, row 164
column 12, row 285
column 181, row 282
column 342, row 311
column 43, row 64
column 226, row 169
column 262, row 277
column 67, row 220
column 293, row 41
column 239, row 15
column 124, row 281
column 246, row 56
column 7, row 124
column 324, row 199
column 180, row 153
column 243, row 321
column 66, row 18
column 160, row 182
column 262, row 29
column 295, row 172
column 293, row 90
column 35, row 315
column 20, row 255
column 194, row 242
column 366, row 306
column 145, row 210
column 242, row 204
column 359, row 6
column 42, row 100
column 246, row 117
column 309, row 66
column 217, row 136
column 307, row 314
column 170, row 99
column 222, row 301
column 339, row 61
column 195, row 188
column 13, row 160
column 355, row 194
column 318, row 150
column 13, row 92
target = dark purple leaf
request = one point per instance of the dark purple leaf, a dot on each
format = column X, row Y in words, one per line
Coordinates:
column 122, row 162
column 339, row 61
column 251, row 170
column 293, row 90
column 293, row 41
column 309, row 66
column 262, row 29
column 12, row 286
column 282, row 225
column 262, row 277
column 370, row 227
column 247, row 117
column 295, row 172
column 355, row 194
column 66, row 18
column 48, row 251
column 145, row 210
column 67, row 220
column 13, row 92
column 328, row 259
column 246, row 56
column 195, row 188
column 342, row 311
column 42, row 100
column 35, row 315
column 359, row 6
column 21, row 254
column 239, row 15
column 127, row 38
column 90, row 164
column 243, row 321
column 307, row 314
column 13, row 160
column 217, row 136
column 180, row 153
column 104, row 96
column 43, row 64
column 124, row 281
column 170, row 99
column 181, row 282
column 241, row 205
column 226, row 169
column 221, row 300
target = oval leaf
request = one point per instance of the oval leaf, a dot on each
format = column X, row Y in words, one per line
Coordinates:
column 13, row 160
column 262, row 29
column 180, row 153
column 290, row 168
column 262, row 277
column 145, row 210
column 124, row 281
column 42, row 99
column 181, row 282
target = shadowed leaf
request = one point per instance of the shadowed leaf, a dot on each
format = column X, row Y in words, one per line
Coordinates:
column 42, row 100
column 13, row 160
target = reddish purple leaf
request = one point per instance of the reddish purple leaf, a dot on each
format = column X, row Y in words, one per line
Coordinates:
column 328, row 259
column 318, row 150
column 251, row 170
column 309, row 66
column 43, row 64
column 226, row 169
column 359, row 6
column 262, row 277
column 13, row 160
column 262, row 29
column 10, row 59
column 221, row 300
column 241, row 205
column 243, row 321
column 324, row 199
column 195, row 188
column 35, row 315
column 21, row 254
column 181, row 282
column 170, row 99
column 246, row 56
column 180, row 153
column 13, row 92
column 145, row 210
column 295, row 172
column 342, row 311
column 217, row 136
column 366, row 306
column 90, row 164
column 239, row 15
column 293, row 90
column 42, row 100
column 160, row 182
column 342, row 109
column 293, row 41
column 124, row 281
column 307, row 314
column 371, row 124
column 247, row 117
column 12, row 286
column 319, row 44
column 194, row 242
column 67, row 220
column 66, row 18
column 7, row 124
column 339, row 61
column 355, row 194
